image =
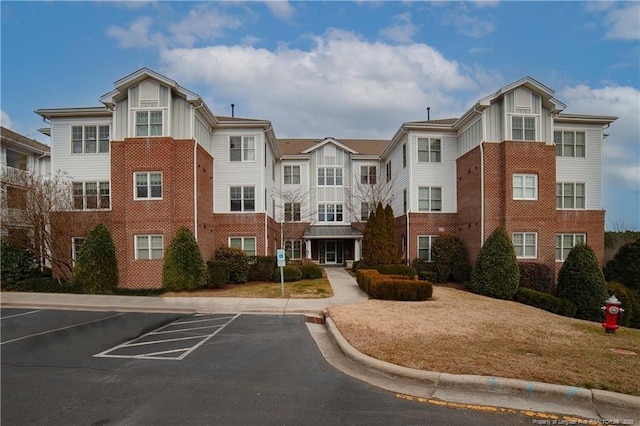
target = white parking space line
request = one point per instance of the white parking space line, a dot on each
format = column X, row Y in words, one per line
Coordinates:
column 60, row 329
column 19, row 315
column 145, row 342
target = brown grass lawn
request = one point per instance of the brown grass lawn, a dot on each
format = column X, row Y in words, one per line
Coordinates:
column 305, row 289
column 462, row 333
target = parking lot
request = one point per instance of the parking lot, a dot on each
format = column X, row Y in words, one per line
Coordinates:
column 98, row 368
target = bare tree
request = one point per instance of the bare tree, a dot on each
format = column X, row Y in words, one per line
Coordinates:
column 370, row 189
column 618, row 236
column 295, row 212
column 31, row 198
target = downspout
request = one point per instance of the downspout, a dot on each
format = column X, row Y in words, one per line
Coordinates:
column 482, row 195
column 407, row 239
column 195, row 167
column 266, row 208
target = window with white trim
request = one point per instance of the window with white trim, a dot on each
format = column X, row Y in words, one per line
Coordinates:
column 429, row 150
column 329, row 212
column 424, row 246
column 242, row 148
column 368, row 175
column 525, row 186
column 570, row 195
column 246, row 244
column 242, row 198
column 293, row 249
column 76, row 245
column 292, row 212
column 570, row 143
column 389, row 171
column 429, row 199
column 149, row 123
column 148, row 185
column 291, row 175
column 149, row 246
column 404, row 155
column 91, row 196
column 329, row 176
column 404, row 200
column 365, row 211
column 523, row 128
column 565, row 242
column 90, row 139
column 525, row 244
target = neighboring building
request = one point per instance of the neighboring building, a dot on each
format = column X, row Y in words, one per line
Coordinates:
column 19, row 156
column 154, row 157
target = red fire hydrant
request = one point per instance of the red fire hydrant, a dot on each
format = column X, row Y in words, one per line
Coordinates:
column 611, row 309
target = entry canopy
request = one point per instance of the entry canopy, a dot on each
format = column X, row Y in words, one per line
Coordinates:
column 332, row 232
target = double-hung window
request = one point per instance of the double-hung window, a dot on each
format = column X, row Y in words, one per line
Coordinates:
column 389, row 171
column 570, row 143
column 149, row 247
column 242, row 198
column 429, row 199
column 424, row 246
column 148, row 185
column 247, row 244
column 523, row 128
column 76, row 245
column 89, row 139
column 329, row 176
column 365, row 211
column 149, row 123
column 525, row 187
column 242, row 148
column 565, row 242
column 368, row 175
column 570, row 195
column 91, row 195
column 293, row 249
column 429, row 150
column 330, row 213
column 525, row 244
column 292, row 212
column 292, row 175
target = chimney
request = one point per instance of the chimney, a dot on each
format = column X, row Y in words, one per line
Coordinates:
column 428, row 113
column 232, row 110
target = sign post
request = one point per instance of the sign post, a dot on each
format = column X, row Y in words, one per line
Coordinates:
column 282, row 261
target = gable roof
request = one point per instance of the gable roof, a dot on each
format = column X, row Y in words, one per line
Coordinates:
column 12, row 139
column 357, row 146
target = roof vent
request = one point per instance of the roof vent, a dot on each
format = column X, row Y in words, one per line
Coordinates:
column 233, row 106
column 428, row 113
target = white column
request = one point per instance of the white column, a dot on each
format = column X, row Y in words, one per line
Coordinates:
column 357, row 249
column 307, row 245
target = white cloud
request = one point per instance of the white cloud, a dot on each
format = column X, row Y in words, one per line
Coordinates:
column 402, row 31
column 470, row 24
column 136, row 34
column 343, row 85
column 202, row 23
column 5, row 120
column 280, row 9
column 624, row 23
column 622, row 147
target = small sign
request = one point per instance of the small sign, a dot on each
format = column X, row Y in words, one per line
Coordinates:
column 282, row 261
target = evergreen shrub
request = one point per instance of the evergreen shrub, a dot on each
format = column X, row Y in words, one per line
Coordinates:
column 448, row 254
column 545, row 301
column 430, row 276
column 581, row 280
column 461, row 272
column 388, row 288
column 422, row 265
column 262, row 268
column 183, row 267
column 238, row 262
column 625, row 266
column 218, row 273
column 536, row 276
column 16, row 265
column 291, row 273
column 96, row 267
column 46, row 285
column 495, row 273
column 630, row 302
column 311, row 271
column 396, row 269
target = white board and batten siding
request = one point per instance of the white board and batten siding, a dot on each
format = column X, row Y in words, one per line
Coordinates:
column 400, row 176
column 297, row 193
column 587, row 170
column 329, row 155
column 80, row 167
column 442, row 175
column 237, row 173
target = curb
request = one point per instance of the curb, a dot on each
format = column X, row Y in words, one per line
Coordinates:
column 494, row 385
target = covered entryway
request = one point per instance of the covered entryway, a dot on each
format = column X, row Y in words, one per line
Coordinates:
column 333, row 245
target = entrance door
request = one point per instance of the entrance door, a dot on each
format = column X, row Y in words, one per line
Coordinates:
column 330, row 252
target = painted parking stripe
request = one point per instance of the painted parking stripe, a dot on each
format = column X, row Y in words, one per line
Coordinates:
column 157, row 344
column 23, row 313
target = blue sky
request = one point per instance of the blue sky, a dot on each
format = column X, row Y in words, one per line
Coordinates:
column 342, row 69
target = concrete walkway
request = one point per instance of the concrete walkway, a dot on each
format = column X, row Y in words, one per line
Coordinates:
column 528, row 398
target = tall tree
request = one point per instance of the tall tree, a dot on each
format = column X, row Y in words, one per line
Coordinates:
column 391, row 235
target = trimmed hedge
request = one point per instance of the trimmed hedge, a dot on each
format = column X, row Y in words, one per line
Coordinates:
column 396, row 269
column 238, row 262
column 262, row 268
column 311, row 271
column 545, row 301
column 218, row 273
column 45, row 285
column 630, row 302
column 291, row 273
column 536, row 276
column 393, row 287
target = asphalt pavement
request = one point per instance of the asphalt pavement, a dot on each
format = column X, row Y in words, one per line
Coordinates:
column 579, row 405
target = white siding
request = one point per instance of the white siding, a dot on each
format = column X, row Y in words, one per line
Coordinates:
column 587, row 169
column 122, row 121
column 494, row 123
column 470, row 137
column 400, row 175
column 180, row 119
column 79, row 166
column 293, row 192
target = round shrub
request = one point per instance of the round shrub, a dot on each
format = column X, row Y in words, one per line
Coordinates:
column 495, row 273
column 262, row 267
column 447, row 251
column 16, row 264
column 567, row 308
column 630, row 302
column 96, row 268
column 625, row 266
column 238, row 262
column 461, row 272
column 291, row 273
column 581, row 280
column 218, row 274
column 183, row 267
column 357, row 265
column 311, row 271
column 536, row 276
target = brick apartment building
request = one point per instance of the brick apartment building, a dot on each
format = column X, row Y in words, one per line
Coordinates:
column 153, row 157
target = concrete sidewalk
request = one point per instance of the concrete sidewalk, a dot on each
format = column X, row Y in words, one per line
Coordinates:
column 468, row 391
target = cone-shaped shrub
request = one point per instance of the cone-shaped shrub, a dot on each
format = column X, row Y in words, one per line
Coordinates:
column 96, row 267
column 496, row 271
column 448, row 255
column 625, row 266
column 374, row 242
column 581, row 280
column 183, row 267
column 391, row 236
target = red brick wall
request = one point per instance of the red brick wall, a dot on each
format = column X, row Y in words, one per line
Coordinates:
column 469, row 193
column 424, row 224
column 590, row 222
column 239, row 225
column 204, row 182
